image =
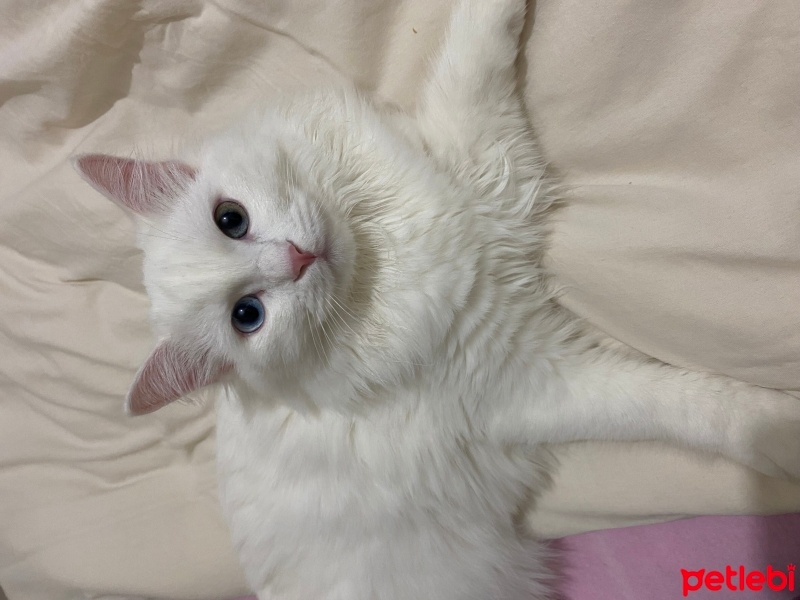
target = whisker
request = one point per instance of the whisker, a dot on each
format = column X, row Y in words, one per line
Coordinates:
column 320, row 348
column 342, row 320
column 332, row 300
column 331, row 345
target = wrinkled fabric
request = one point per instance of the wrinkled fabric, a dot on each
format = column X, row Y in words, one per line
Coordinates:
column 676, row 127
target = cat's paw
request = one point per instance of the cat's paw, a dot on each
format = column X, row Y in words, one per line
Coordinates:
column 767, row 437
column 495, row 17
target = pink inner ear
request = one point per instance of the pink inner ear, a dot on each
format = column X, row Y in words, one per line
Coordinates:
column 138, row 185
column 170, row 372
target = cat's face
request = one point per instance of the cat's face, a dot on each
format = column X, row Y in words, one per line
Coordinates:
column 247, row 263
column 255, row 259
column 293, row 255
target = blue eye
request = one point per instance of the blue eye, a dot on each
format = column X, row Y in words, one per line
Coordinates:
column 231, row 219
column 248, row 314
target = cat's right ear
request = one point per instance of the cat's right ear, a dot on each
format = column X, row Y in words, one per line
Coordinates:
column 141, row 186
column 170, row 372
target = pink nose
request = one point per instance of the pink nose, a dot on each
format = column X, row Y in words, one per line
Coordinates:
column 299, row 260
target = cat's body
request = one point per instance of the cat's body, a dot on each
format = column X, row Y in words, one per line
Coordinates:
column 381, row 416
column 405, row 503
column 410, row 484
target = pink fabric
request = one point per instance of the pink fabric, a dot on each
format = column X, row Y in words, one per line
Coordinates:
column 645, row 562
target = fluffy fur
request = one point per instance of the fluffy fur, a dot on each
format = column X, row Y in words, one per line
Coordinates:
column 378, row 434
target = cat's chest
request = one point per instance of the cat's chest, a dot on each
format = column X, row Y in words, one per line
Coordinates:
column 283, row 448
column 280, row 464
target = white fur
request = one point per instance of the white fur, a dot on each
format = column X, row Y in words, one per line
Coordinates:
column 379, row 433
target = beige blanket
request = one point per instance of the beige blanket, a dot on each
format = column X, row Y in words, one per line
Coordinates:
column 676, row 124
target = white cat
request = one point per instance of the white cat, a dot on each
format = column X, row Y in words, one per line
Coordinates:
column 366, row 287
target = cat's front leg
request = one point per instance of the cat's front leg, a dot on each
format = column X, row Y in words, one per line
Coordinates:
column 475, row 66
column 606, row 395
column 470, row 113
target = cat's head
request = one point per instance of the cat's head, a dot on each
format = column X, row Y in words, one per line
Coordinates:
column 260, row 264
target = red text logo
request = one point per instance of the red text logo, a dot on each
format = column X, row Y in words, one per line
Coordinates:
column 738, row 580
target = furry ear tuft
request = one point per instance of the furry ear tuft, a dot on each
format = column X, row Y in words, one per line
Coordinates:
column 141, row 186
column 171, row 371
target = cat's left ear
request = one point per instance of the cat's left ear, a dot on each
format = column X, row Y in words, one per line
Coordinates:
column 141, row 186
column 172, row 371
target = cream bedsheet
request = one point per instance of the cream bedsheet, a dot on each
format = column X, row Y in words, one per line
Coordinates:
column 676, row 124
